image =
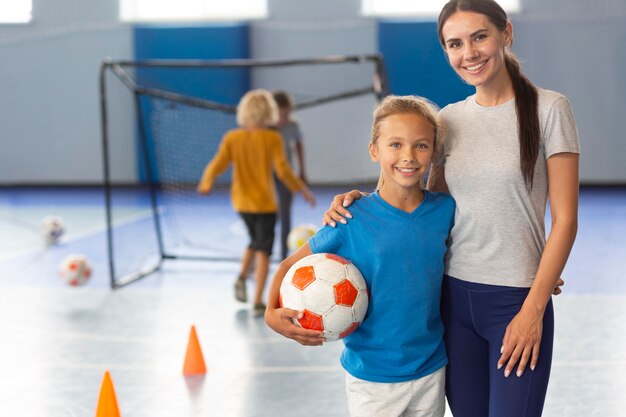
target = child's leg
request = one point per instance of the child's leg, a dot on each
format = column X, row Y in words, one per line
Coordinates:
column 422, row 397
column 246, row 261
column 240, row 283
column 261, row 268
column 263, row 244
column 241, row 293
column 428, row 396
column 375, row 399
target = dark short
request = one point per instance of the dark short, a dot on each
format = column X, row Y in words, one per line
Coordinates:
column 261, row 230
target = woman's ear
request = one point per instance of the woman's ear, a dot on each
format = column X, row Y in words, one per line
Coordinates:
column 508, row 35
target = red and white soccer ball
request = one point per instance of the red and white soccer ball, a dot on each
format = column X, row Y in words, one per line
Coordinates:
column 330, row 291
column 75, row 270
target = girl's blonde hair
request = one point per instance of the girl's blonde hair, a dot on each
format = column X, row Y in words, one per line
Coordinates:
column 401, row 105
column 257, row 108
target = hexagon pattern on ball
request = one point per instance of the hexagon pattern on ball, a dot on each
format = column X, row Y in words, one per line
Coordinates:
column 330, row 291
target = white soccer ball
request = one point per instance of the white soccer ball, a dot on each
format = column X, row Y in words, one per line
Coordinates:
column 75, row 270
column 330, row 291
column 299, row 235
column 52, row 228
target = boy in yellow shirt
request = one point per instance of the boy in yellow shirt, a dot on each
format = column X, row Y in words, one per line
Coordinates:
column 256, row 152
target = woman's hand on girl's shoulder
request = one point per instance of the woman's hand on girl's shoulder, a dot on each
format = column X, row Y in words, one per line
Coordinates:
column 337, row 211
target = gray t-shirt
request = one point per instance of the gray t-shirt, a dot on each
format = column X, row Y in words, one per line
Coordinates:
column 291, row 134
column 499, row 234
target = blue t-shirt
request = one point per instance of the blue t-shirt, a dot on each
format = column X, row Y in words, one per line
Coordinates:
column 401, row 257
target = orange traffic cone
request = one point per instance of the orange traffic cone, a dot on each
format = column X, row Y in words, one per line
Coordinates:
column 107, row 403
column 194, row 361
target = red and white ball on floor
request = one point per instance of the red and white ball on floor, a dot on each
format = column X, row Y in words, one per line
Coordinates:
column 75, row 270
column 330, row 291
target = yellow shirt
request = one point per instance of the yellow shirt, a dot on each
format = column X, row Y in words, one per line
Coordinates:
column 255, row 155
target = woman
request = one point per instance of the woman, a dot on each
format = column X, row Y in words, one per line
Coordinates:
column 508, row 148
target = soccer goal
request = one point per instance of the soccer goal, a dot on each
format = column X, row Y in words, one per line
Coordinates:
column 162, row 121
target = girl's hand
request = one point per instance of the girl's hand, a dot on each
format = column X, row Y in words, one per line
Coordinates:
column 337, row 211
column 521, row 342
column 279, row 319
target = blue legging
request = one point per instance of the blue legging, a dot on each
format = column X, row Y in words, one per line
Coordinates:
column 475, row 318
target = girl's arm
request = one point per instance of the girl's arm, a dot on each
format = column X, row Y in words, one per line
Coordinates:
column 280, row 319
column 523, row 335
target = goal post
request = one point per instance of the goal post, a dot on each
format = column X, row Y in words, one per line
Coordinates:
column 162, row 121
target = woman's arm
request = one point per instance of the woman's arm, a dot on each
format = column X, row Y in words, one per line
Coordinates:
column 523, row 335
column 437, row 182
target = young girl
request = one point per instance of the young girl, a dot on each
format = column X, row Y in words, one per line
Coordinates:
column 509, row 147
column 256, row 151
column 395, row 360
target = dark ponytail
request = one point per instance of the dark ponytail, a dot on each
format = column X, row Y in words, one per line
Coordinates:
column 525, row 92
column 527, row 118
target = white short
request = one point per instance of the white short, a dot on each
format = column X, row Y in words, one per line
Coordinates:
column 423, row 397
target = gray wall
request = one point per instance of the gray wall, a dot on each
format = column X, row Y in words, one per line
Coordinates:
column 579, row 49
column 49, row 111
column 336, row 136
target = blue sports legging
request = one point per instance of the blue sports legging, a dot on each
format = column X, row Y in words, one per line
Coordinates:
column 475, row 318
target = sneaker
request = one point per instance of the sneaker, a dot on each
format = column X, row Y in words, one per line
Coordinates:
column 259, row 309
column 240, row 290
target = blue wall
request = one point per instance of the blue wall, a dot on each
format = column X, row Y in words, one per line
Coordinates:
column 225, row 41
column 416, row 63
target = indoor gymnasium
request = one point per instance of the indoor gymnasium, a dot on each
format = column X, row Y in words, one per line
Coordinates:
column 119, row 285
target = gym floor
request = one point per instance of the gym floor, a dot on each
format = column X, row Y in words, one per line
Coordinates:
column 57, row 341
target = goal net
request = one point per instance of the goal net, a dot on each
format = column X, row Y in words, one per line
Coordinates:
column 162, row 122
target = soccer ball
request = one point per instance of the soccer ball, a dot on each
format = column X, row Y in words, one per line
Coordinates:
column 299, row 235
column 75, row 270
column 52, row 228
column 330, row 291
